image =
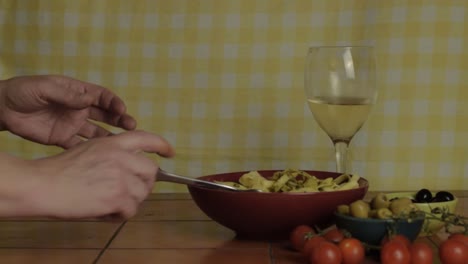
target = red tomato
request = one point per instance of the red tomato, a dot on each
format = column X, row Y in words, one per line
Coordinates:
column 453, row 252
column 326, row 253
column 421, row 253
column 334, row 235
column 395, row 252
column 352, row 251
column 297, row 236
column 399, row 238
column 311, row 243
column 460, row 237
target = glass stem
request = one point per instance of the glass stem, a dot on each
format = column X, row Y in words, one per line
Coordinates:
column 341, row 149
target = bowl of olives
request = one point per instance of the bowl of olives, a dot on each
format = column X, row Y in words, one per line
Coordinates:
column 372, row 221
column 431, row 202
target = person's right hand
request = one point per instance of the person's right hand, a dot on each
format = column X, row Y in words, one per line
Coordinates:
column 102, row 177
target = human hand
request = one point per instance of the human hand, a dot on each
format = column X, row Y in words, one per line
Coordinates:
column 101, row 177
column 56, row 110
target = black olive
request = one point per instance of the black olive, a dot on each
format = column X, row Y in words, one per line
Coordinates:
column 443, row 196
column 423, row 196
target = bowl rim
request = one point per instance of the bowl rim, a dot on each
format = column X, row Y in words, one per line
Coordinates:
column 419, row 217
column 363, row 184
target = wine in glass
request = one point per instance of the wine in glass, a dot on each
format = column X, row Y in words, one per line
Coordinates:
column 340, row 85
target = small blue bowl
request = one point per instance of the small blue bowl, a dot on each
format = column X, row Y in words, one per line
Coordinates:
column 371, row 231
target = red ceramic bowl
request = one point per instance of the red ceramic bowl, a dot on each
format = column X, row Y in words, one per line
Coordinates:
column 271, row 215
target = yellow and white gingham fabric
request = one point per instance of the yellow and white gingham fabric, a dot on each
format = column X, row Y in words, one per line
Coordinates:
column 223, row 80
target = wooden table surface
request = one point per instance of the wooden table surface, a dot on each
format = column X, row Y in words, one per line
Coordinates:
column 169, row 228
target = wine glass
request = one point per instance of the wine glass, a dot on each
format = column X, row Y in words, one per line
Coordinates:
column 340, row 85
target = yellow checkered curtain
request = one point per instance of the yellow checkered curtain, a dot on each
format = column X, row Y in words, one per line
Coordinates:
column 223, row 80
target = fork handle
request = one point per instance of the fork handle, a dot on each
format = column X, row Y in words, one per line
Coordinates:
column 165, row 176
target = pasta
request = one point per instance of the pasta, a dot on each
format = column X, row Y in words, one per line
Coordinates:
column 294, row 181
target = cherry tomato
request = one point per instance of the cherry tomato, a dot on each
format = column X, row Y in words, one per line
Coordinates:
column 395, row 252
column 297, row 236
column 453, row 252
column 326, row 253
column 311, row 244
column 421, row 253
column 352, row 251
column 399, row 238
column 460, row 237
column 334, row 235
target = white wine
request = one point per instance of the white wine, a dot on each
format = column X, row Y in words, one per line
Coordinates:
column 342, row 117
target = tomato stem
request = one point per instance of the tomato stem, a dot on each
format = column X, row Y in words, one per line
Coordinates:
column 450, row 220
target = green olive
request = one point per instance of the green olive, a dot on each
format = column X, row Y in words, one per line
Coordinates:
column 383, row 213
column 401, row 206
column 359, row 209
column 343, row 209
column 380, row 201
column 404, row 210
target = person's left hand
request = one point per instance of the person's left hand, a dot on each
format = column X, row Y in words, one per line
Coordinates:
column 57, row 110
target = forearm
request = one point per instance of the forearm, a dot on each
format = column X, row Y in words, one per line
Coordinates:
column 18, row 184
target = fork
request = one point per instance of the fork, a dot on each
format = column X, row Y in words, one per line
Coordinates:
column 165, row 176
